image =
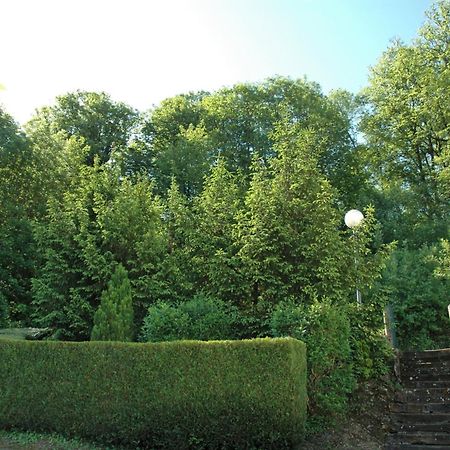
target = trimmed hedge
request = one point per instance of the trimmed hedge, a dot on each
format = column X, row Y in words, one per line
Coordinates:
column 183, row 394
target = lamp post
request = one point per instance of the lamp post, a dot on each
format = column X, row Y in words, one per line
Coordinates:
column 353, row 219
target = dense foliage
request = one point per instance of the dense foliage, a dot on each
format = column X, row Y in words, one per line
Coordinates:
column 113, row 320
column 202, row 318
column 4, row 313
column 221, row 394
column 420, row 298
column 406, row 123
column 16, row 204
column 224, row 207
column 326, row 331
column 251, row 235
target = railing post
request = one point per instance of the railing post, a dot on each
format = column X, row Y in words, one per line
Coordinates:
column 389, row 325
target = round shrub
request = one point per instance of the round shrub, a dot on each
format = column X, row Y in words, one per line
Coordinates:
column 202, row 318
column 210, row 318
column 165, row 323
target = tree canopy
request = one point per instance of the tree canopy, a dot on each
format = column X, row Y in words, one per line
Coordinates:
column 235, row 196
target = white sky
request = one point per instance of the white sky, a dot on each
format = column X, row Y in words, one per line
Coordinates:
column 142, row 51
column 134, row 50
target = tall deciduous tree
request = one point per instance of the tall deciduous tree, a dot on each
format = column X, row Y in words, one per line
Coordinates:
column 237, row 124
column 187, row 160
column 178, row 143
column 103, row 123
column 407, row 127
column 17, row 205
column 408, row 124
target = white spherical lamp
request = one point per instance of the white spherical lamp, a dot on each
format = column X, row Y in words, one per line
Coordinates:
column 353, row 218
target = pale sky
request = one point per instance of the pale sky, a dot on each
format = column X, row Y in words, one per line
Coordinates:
column 142, row 51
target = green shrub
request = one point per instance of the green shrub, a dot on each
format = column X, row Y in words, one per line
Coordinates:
column 227, row 394
column 3, row 311
column 419, row 300
column 165, row 323
column 371, row 353
column 113, row 320
column 326, row 331
column 202, row 318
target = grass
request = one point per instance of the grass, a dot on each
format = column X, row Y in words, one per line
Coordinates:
column 24, row 440
column 24, row 333
column 12, row 333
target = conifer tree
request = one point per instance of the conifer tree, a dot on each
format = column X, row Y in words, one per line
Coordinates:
column 215, row 261
column 102, row 219
column 113, row 321
column 174, row 272
column 290, row 241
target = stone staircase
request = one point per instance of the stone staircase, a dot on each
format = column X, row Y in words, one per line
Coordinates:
column 421, row 409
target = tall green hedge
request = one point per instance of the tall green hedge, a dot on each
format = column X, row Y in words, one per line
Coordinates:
column 183, row 394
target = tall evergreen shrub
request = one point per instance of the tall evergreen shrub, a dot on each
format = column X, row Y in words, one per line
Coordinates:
column 113, row 321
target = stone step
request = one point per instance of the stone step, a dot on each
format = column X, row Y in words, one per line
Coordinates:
column 418, row 408
column 428, row 395
column 421, row 358
column 426, row 367
column 425, row 376
column 426, row 427
column 426, row 355
column 422, row 418
column 421, row 422
column 419, row 437
column 421, row 411
column 415, row 447
column 423, row 365
column 426, row 384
